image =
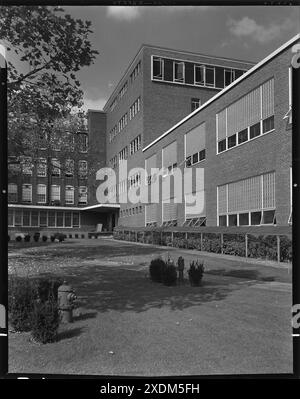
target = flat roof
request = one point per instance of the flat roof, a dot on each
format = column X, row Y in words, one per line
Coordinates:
column 227, row 88
column 175, row 51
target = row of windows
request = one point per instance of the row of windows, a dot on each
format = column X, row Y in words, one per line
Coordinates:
column 122, row 122
column 131, row 211
column 135, row 108
column 113, row 162
column 176, row 71
column 113, row 132
column 135, row 180
column 136, row 71
column 135, row 145
column 55, row 165
column 56, row 143
column 41, row 193
column 42, row 218
column 123, row 154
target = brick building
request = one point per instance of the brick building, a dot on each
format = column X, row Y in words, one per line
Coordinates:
column 178, row 110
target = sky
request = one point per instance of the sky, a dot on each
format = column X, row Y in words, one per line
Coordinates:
column 242, row 32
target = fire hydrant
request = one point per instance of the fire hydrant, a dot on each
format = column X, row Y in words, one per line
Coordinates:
column 66, row 297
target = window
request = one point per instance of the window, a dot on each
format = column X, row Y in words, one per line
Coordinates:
column 51, row 218
column 43, row 219
column 123, row 154
column 135, row 72
column 169, row 158
column 75, row 219
column 248, row 117
column 195, row 103
column 228, row 76
column 26, row 166
column 82, row 195
column 68, row 219
column 83, row 142
column 249, row 201
column 34, row 218
column 135, row 108
column 27, row 193
column 10, row 217
column 59, row 219
column 13, row 164
column 55, row 193
column 209, row 76
column 150, row 165
column 135, row 145
column 69, row 195
column 200, row 75
column 123, row 90
column 82, row 169
column 42, row 167
column 268, row 124
column 12, row 191
column 242, row 136
column 18, row 217
column 195, row 145
column 114, row 162
column 158, row 64
column 69, row 167
column 26, row 218
column 122, row 122
column 41, row 193
column 55, row 167
column 179, row 72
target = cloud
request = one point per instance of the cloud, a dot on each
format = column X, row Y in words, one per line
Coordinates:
column 129, row 13
column 247, row 27
column 123, row 13
column 94, row 104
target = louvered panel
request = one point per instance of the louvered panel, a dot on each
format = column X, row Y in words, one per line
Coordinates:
column 195, row 204
column 269, row 190
column 268, row 99
column 169, row 210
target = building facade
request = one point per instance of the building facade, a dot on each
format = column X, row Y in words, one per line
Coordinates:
column 225, row 122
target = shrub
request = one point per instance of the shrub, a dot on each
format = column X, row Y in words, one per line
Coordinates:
column 19, row 238
column 46, row 288
column 45, row 321
column 44, row 238
column 27, row 238
column 211, row 243
column 286, row 250
column 20, row 303
column 52, row 238
column 196, row 271
column 156, row 269
column 169, row 274
column 36, row 236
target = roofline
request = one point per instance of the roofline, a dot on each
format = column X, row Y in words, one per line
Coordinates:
column 62, row 208
column 229, row 87
column 176, row 51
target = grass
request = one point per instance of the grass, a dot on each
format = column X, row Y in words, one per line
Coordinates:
column 125, row 324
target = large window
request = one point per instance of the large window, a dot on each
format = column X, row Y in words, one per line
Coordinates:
column 12, row 192
column 69, row 195
column 195, row 103
column 247, row 118
column 179, row 72
column 157, row 66
column 42, row 218
column 204, row 75
column 82, row 195
column 42, row 167
column 41, row 193
column 55, row 193
column 195, row 145
column 27, row 193
column 247, row 202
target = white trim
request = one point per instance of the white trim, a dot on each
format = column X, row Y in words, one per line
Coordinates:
column 227, row 88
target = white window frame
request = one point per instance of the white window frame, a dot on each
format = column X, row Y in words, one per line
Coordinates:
column 183, row 72
column 55, row 164
column 29, row 187
column 42, row 161
column 80, row 188
column 37, row 193
column 161, row 61
column 51, row 192
column 69, row 188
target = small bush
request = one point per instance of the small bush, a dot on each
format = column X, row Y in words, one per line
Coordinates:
column 20, row 303
column 45, row 321
column 19, row 238
column 169, row 274
column 27, row 238
column 156, row 270
column 52, row 238
column 196, row 271
column 36, row 236
column 44, row 238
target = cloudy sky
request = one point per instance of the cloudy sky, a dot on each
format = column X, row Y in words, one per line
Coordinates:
column 248, row 33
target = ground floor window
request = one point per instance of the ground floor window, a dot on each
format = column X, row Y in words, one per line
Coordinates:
column 248, row 202
column 42, row 218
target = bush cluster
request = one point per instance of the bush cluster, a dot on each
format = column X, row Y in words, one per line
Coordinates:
column 195, row 272
column 156, row 270
column 32, row 306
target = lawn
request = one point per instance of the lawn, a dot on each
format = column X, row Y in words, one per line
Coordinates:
column 125, row 324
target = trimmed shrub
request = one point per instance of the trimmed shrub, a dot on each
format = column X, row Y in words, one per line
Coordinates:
column 156, row 269
column 45, row 321
column 169, row 274
column 27, row 238
column 234, row 244
column 44, row 238
column 19, row 238
column 36, row 236
column 20, row 303
column 196, row 271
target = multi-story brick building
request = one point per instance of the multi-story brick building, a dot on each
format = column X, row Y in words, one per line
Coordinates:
column 178, row 110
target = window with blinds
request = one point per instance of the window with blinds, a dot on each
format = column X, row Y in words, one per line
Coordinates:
column 195, row 145
column 69, row 195
column 27, row 193
column 169, row 210
column 41, row 192
column 150, row 213
column 247, row 118
column 169, row 158
column 55, row 193
column 248, row 202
